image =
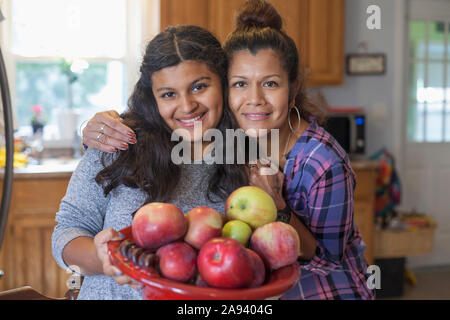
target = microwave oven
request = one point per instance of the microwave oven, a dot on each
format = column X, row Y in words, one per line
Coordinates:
column 348, row 126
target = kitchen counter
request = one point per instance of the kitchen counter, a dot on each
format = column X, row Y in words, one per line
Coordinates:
column 50, row 168
column 53, row 168
column 365, row 164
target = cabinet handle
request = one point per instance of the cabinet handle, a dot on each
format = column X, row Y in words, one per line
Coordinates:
column 1, row 274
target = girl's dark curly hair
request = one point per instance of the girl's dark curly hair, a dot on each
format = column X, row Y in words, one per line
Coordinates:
column 147, row 165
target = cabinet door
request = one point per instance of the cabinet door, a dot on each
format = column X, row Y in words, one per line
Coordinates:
column 364, row 206
column 180, row 12
column 363, row 217
column 28, row 258
column 221, row 17
column 323, row 46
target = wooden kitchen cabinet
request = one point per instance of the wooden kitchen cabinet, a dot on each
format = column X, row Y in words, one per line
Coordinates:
column 323, row 45
column 316, row 26
column 364, row 204
column 174, row 12
column 26, row 256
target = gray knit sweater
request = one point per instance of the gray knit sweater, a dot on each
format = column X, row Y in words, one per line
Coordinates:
column 85, row 211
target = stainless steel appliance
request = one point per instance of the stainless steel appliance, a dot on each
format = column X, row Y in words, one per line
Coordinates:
column 348, row 126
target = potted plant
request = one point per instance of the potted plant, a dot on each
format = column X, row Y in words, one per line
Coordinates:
column 37, row 120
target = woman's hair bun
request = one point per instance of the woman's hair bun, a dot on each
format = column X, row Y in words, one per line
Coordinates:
column 258, row 14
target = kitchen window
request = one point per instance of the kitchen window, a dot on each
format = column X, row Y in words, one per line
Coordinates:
column 429, row 85
column 75, row 54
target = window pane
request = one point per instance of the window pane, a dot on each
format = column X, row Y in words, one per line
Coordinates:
column 447, row 96
column 38, row 84
column 448, row 41
column 411, row 124
column 69, row 28
column 437, row 40
column 434, row 122
column 417, row 36
column 417, row 82
column 435, row 82
column 415, row 121
column 447, row 105
column 420, row 122
column 44, row 83
column 102, row 84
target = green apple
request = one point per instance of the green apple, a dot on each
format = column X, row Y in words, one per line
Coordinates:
column 252, row 205
column 237, row 230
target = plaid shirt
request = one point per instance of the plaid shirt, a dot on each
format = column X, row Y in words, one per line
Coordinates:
column 319, row 184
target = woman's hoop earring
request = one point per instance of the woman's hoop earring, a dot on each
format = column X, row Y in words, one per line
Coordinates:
column 289, row 119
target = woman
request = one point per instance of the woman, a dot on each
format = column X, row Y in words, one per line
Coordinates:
column 183, row 76
column 316, row 182
column 318, row 179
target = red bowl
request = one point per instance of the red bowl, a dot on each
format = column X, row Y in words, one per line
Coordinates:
column 159, row 288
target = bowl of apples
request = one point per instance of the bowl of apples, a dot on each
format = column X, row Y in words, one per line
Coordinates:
column 204, row 255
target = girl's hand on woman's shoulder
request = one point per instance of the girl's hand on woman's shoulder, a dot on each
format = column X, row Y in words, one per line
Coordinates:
column 270, row 179
column 106, row 132
column 101, row 241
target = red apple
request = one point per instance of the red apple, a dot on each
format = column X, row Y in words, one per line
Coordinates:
column 177, row 261
column 224, row 263
column 277, row 243
column 259, row 269
column 204, row 223
column 252, row 205
column 156, row 224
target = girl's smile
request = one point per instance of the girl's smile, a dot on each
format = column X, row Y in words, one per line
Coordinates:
column 190, row 121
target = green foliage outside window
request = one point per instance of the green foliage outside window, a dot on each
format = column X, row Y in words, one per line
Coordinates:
column 44, row 83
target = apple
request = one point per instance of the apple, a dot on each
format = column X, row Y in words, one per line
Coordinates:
column 224, row 263
column 259, row 269
column 238, row 230
column 252, row 205
column 204, row 223
column 277, row 243
column 156, row 224
column 177, row 261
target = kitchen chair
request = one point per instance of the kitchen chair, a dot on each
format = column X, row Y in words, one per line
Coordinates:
column 24, row 293
column 28, row 293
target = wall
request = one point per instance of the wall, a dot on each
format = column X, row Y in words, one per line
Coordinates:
column 423, row 169
column 375, row 93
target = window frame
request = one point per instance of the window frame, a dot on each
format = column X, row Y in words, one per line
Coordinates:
column 438, row 12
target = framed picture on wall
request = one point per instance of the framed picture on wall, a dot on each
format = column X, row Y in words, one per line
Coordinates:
column 366, row 64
